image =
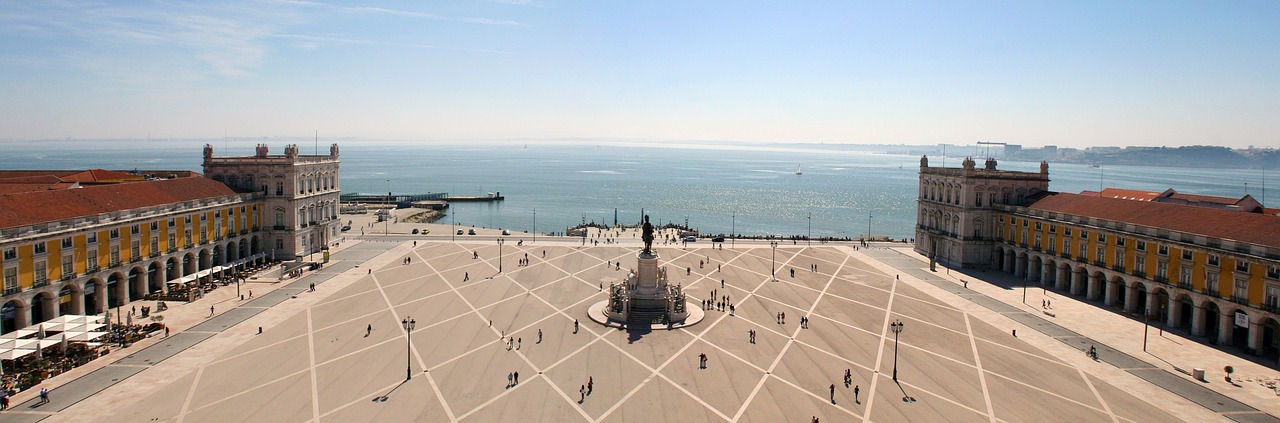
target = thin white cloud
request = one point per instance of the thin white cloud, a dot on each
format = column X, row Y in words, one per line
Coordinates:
column 397, row 12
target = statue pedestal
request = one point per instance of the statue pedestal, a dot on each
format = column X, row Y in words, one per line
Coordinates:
column 647, row 275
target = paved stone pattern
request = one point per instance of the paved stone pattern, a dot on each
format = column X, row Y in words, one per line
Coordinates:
column 324, row 365
column 1183, row 387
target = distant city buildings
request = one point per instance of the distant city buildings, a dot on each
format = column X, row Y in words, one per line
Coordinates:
column 1207, row 264
column 81, row 242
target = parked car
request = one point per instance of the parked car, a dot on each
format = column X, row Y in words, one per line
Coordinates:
column 471, row 231
column 346, row 228
column 506, row 232
column 717, row 239
column 459, row 231
column 690, row 239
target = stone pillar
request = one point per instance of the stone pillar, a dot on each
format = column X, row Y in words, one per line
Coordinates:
column 100, row 297
column 1226, row 326
column 1197, row 320
column 1130, row 298
column 51, row 304
column 77, row 301
column 144, row 284
column 122, row 291
column 1095, row 282
column 1255, row 338
column 1020, row 267
column 1008, row 261
column 1063, row 279
column 1109, row 294
column 1077, row 280
column 22, row 316
column 1175, row 311
column 1046, row 273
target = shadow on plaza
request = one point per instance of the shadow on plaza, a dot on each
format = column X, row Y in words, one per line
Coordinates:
column 384, row 397
column 634, row 333
column 1157, row 327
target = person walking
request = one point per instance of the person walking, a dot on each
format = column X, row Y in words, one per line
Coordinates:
column 210, row 311
column 517, row 377
column 855, row 394
column 575, row 326
column 466, row 276
column 539, row 335
column 833, row 393
column 519, row 341
column 582, row 394
column 509, row 380
column 368, row 330
column 590, row 383
column 44, row 395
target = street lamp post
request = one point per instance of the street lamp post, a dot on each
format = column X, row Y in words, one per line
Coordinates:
column 386, row 224
column 896, row 327
column 868, row 227
column 500, row 255
column 773, row 268
column 535, row 226
column 810, row 229
column 453, row 227
column 408, row 324
column 733, row 229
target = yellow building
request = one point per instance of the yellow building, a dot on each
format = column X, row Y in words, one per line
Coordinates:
column 78, row 242
column 1210, row 265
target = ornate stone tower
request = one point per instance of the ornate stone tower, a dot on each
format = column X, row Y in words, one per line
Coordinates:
column 300, row 195
column 954, row 220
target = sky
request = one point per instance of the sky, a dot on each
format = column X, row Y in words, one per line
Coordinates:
column 1071, row 74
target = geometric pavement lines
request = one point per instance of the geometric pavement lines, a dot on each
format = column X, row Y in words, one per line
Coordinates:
column 597, row 336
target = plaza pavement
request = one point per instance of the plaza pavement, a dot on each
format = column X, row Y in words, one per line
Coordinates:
column 314, row 362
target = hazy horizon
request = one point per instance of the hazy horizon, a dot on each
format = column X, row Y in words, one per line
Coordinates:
column 1074, row 74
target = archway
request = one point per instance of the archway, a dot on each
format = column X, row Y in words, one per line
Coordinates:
column 1240, row 334
column 137, row 283
column 65, row 296
column 233, row 252
column 43, row 307
column 9, row 313
column 91, row 288
column 113, row 296
column 1139, row 298
column 1184, row 311
column 206, row 259
column 255, row 245
column 155, row 277
column 1211, row 318
column 188, row 264
column 174, row 269
column 1269, row 346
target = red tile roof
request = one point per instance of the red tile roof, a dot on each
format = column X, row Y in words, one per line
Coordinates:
column 1254, row 228
column 27, row 208
column 1129, row 194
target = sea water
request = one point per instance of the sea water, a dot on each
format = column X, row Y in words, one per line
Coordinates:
column 717, row 188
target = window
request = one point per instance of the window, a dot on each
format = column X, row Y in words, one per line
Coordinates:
column 1272, row 300
column 1024, row 223
column 279, row 188
column 1084, row 249
column 1053, row 229
column 1142, row 246
column 41, row 248
column 1001, row 219
column 1242, row 266
column 1102, row 251
column 135, row 249
column 186, row 219
column 10, row 253
column 1038, row 226
column 1139, row 263
column 217, row 214
column 155, row 245
column 1037, row 244
column 186, row 236
column 1213, row 260
column 1084, row 234
column 115, row 233
column 134, row 229
column 1188, row 255
column 1066, row 245
column 173, row 222
column 173, row 240
column 1119, row 241
column 1162, row 250
column 68, row 266
column 1241, row 289
column 1066, row 231
column 1102, row 238
column 1119, row 259
column 66, row 242
column 155, row 226
column 91, row 262
column 1162, row 270
column 92, row 237
column 11, row 279
column 977, row 199
column 1053, row 244
column 1273, row 272
column 1211, row 282
column 280, row 244
column 1184, row 275
column 42, row 273
column 115, row 255
column 204, row 217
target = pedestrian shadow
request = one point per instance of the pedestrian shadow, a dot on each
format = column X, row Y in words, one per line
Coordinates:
column 634, row 333
column 384, row 397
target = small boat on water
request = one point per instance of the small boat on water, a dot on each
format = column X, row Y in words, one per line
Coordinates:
column 798, row 172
